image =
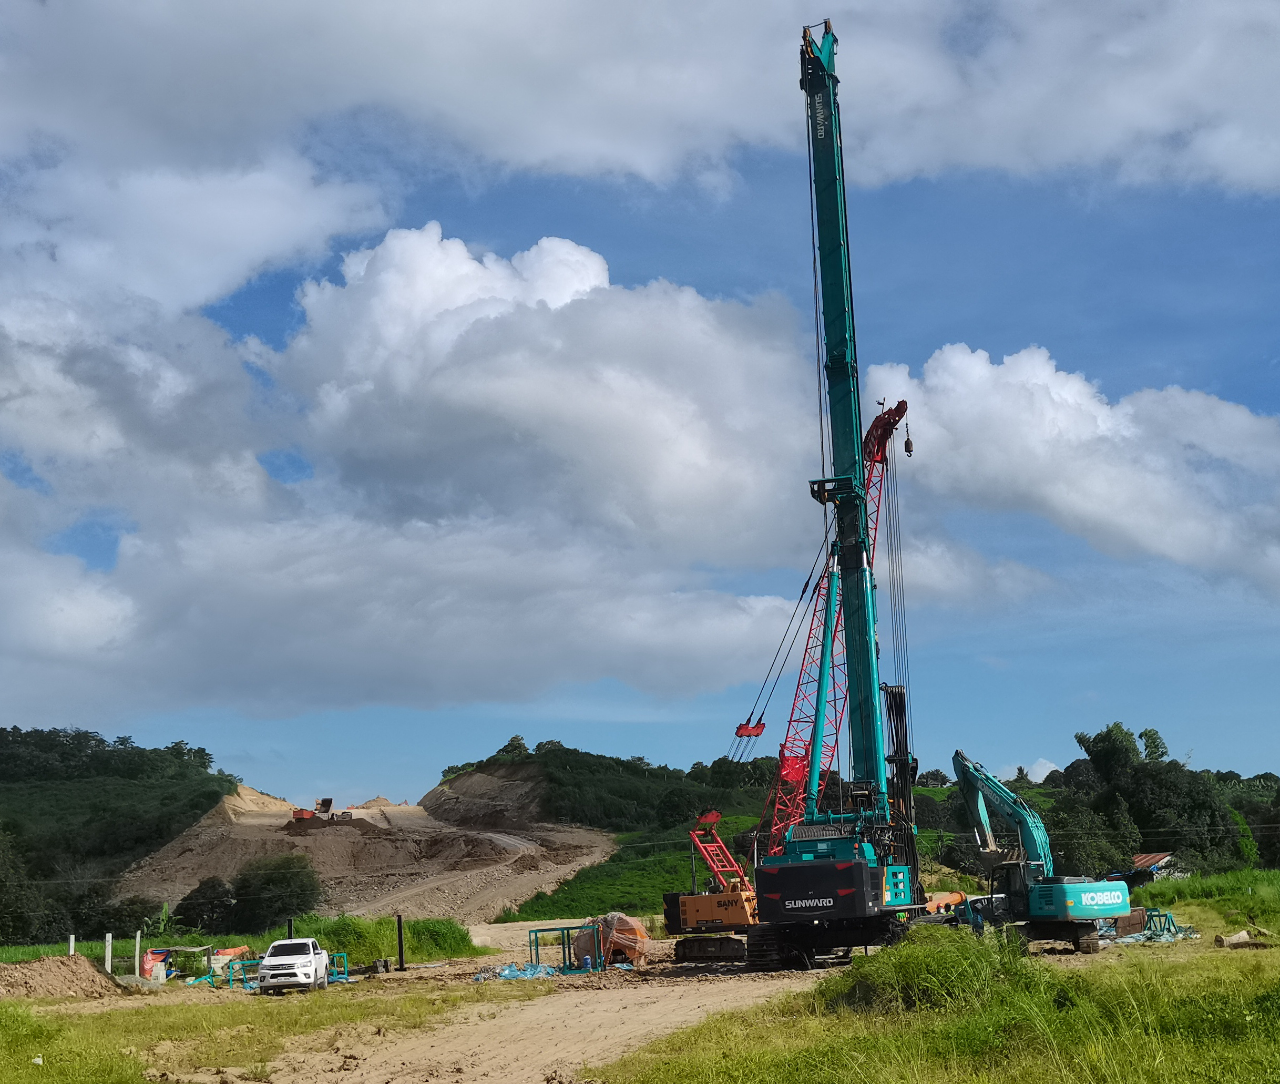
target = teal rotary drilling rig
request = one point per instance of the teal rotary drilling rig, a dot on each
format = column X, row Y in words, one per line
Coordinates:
column 839, row 868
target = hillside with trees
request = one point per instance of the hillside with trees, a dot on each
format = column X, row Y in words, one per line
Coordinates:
column 1123, row 797
column 631, row 794
column 75, row 810
column 1126, row 796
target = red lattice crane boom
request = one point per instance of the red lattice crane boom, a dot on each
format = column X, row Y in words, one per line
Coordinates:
column 875, row 445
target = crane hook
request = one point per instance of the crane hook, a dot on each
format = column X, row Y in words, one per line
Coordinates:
column 907, row 446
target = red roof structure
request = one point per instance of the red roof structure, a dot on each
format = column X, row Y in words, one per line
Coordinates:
column 1150, row 861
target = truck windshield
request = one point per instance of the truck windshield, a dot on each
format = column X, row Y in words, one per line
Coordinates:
column 291, row 948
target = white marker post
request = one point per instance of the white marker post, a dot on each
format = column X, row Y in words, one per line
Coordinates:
column 71, row 945
column 106, row 963
column 137, row 954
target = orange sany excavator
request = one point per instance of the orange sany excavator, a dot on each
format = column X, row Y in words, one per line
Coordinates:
column 727, row 907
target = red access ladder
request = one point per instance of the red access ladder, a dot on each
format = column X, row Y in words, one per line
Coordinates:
column 714, row 853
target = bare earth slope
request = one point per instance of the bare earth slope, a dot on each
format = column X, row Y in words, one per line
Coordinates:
column 442, row 858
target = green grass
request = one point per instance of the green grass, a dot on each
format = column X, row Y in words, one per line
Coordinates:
column 364, row 940
column 944, row 1006
column 1249, row 891
column 632, row 880
column 116, row 1047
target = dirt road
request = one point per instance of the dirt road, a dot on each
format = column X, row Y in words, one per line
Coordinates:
column 530, row 1042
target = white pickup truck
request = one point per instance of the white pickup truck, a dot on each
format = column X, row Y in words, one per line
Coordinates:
column 297, row 962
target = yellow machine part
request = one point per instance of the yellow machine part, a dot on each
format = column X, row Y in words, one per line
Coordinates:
column 711, row 910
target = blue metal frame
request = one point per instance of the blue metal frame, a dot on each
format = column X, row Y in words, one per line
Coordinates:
column 566, row 948
column 333, row 967
column 246, row 983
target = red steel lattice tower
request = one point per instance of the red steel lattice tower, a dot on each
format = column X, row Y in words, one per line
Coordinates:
column 787, row 795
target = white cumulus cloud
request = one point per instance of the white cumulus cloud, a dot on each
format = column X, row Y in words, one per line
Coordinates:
column 1156, row 90
column 516, row 476
column 521, row 476
column 1040, row 768
column 1169, row 473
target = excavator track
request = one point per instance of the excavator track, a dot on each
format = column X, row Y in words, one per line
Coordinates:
column 768, row 949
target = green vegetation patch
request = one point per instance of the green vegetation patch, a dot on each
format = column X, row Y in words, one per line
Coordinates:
column 102, row 822
column 633, row 880
column 363, row 940
column 944, row 1006
column 1240, row 893
column 71, row 798
column 117, row 1047
column 75, row 811
column 1119, row 800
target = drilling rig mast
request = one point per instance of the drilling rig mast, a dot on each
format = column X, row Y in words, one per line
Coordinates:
column 839, row 873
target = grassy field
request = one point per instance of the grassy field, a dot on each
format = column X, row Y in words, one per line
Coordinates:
column 1230, row 896
column 363, row 940
column 944, row 1006
column 116, row 1047
column 646, row 865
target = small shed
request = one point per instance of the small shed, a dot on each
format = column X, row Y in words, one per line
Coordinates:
column 1146, row 868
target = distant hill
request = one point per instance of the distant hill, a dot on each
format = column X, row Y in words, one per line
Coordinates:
column 650, row 807
column 75, row 802
column 75, row 810
column 553, row 783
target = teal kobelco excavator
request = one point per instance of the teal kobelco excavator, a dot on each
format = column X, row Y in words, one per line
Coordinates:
column 1024, row 890
column 838, row 868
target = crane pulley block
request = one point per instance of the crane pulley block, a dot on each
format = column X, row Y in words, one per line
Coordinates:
column 833, row 490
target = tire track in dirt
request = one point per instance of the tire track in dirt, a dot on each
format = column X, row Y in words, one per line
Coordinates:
column 548, row 1038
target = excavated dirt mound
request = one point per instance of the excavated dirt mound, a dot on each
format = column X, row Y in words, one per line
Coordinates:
column 508, row 796
column 56, row 976
column 385, row 858
column 246, row 801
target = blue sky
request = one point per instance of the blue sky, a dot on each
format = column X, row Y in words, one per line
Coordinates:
column 1133, row 286
column 264, row 496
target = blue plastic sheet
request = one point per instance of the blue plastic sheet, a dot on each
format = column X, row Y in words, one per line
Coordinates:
column 513, row 971
column 1189, row 932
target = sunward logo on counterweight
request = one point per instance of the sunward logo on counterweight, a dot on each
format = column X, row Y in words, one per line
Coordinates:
column 828, row 902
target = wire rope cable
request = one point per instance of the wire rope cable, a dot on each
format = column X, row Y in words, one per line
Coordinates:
column 817, row 309
column 897, row 590
column 789, row 636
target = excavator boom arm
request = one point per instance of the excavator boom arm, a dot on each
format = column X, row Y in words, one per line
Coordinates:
column 978, row 787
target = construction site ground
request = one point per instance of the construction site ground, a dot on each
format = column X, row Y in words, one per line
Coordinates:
column 574, row 1020
column 502, row 1030
column 384, row 858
